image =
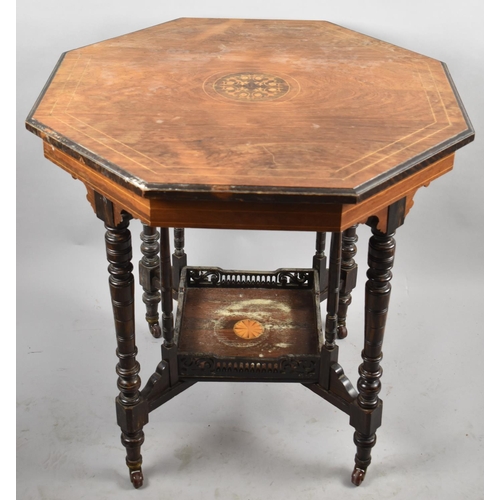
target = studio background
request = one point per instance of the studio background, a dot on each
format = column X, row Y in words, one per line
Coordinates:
column 250, row 441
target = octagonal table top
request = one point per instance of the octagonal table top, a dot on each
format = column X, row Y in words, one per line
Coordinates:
column 253, row 107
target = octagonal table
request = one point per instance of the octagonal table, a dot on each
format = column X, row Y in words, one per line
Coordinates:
column 250, row 124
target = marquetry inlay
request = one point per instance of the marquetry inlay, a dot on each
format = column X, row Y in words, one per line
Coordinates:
column 260, row 109
column 248, row 329
column 251, row 86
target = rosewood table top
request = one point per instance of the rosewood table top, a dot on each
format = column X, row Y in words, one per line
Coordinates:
column 262, row 111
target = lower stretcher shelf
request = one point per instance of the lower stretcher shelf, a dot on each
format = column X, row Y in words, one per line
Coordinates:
column 247, row 325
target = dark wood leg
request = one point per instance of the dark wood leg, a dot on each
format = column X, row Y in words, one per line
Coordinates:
column 319, row 263
column 333, row 290
column 131, row 412
column 333, row 385
column 366, row 417
column 149, row 277
column 166, row 288
column 169, row 348
column 349, row 271
column 179, row 260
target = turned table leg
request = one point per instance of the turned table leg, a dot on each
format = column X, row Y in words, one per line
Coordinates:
column 149, row 270
column 166, row 289
column 367, row 417
column 319, row 263
column 349, row 271
column 131, row 412
column 179, row 260
column 332, row 304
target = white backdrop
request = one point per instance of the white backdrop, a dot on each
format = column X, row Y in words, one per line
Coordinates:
column 245, row 441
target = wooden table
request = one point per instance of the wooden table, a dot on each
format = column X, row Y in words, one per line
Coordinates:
column 249, row 124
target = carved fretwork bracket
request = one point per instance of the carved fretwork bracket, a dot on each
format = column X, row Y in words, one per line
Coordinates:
column 334, row 386
column 160, row 388
column 390, row 218
column 110, row 213
column 158, row 382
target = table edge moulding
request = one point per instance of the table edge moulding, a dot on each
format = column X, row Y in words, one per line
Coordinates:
column 254, row 125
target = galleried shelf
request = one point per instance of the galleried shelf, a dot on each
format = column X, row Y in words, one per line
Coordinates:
column 248, row 325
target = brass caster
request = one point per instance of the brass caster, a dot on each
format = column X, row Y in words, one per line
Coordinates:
column 155, row 330
column 357, row 476
column 136, row 478
column 342, row 332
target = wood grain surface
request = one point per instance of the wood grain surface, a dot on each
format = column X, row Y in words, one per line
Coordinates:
column 259, row 109
column 227, row 213
column 287, row 318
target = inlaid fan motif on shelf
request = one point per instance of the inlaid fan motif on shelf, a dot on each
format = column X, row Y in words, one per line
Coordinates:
column 248, row 329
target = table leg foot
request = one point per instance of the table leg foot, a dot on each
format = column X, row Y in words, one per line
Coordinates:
column 132, row 443
column 342, row 332
column 155, row 331
column 364, row 445
column 136, row 478
column 357, row 476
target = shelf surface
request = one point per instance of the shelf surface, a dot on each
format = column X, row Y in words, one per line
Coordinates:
column 248, row 324
column 284, row 321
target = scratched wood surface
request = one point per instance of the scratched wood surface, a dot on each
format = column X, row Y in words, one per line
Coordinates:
column 217, row 107
column 286, row 317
